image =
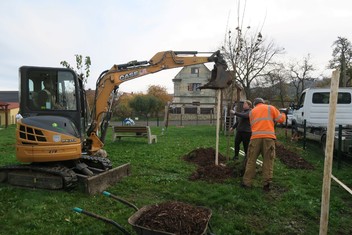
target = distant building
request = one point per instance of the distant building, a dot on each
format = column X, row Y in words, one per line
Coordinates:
column 9, row 96
column 8, row 111
column 9, row 107
column 189, row 100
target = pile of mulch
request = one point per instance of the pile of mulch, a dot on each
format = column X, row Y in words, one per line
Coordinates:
column 204, row 158
column 175, row 217
column 291, row 159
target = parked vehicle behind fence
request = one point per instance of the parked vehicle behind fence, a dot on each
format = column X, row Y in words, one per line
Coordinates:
column 289, row 115
column 313, row 111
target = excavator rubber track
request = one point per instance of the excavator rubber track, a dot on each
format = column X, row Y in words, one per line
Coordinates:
column 39, row 176
column 97, row 162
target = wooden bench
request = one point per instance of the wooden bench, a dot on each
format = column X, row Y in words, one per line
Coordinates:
column 133, row 131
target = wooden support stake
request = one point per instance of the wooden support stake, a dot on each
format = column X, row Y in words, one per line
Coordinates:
column 342, row 184
column 218, row 114
column 325, row 201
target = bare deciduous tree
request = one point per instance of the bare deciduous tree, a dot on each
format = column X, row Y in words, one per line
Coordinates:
column 342, row 59
column 300, row 73
column 278, row 80
column 249, row 56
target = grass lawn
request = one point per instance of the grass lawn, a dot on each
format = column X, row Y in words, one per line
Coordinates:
column 159, row 174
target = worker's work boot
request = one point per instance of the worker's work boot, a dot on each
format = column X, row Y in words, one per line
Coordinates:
column 245, row 186
column 266, row 188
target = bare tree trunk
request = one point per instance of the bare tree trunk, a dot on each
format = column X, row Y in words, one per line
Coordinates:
column 343, row 82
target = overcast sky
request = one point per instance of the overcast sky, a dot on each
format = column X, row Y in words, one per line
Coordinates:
column 43, row 33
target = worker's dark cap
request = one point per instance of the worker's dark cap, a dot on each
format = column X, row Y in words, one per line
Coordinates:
column 257, row 101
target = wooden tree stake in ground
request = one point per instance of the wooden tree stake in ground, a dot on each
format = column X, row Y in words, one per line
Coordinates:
column 218, row 113
column 325, row 200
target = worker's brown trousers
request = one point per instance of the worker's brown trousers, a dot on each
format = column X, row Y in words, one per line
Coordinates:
column 265, row 147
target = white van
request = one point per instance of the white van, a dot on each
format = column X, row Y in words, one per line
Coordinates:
column 313, row 107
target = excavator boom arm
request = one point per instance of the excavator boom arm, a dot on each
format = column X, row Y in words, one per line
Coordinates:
column 118, row 74
column 160, row 61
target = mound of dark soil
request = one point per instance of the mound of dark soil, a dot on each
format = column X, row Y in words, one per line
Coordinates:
column 175, row 217
column 292, row 159
column 204, row 158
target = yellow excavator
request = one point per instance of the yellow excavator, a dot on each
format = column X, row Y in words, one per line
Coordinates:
column 59, row 141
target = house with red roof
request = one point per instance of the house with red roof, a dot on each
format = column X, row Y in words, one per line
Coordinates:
column 9, row 107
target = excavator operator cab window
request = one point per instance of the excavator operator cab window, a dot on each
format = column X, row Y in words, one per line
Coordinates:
column 51, row 90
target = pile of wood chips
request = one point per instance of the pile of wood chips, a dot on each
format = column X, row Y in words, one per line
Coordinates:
column 175, row 217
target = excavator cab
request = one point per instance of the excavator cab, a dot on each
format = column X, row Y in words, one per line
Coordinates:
column 51, row 136
column 53, row 107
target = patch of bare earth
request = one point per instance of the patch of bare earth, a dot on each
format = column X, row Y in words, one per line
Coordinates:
column 291, row 159
column 204, row 158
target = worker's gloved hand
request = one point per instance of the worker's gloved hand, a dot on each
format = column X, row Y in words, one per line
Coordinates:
column 232, row 111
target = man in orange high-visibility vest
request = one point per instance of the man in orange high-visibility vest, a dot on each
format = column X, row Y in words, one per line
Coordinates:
column 262, row 119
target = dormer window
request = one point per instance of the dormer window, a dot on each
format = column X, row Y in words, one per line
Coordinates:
column 195, row 71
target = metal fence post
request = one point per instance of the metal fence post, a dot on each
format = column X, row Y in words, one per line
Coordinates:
column 339, row 148
column 304, row 133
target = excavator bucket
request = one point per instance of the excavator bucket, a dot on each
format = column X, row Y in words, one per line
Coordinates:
column 100, row 182
column 220, row 78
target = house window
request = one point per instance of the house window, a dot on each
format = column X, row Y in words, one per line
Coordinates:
column 175, row 110
column 190, row 110
column 193, row 86
column 195, row 71
column 206, row 110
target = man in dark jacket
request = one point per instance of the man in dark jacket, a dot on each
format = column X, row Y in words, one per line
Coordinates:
column 243, row 128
